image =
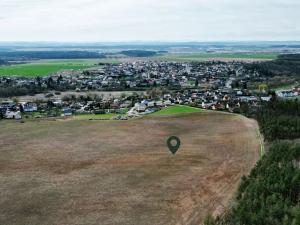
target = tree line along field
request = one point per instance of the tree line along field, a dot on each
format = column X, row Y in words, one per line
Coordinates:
column 208, row 56
column 121, row 172
column 47, row 67
column 271, row 193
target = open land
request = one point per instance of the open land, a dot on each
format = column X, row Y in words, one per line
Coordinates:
column 176, row 110
column 121, row 172
column 218, row 56
column 47, row 67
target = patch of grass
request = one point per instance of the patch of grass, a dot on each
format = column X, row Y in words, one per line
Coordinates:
column 206, row 56
column 285, row 87
column 47, row 67
column 177, row 110
column 108, row 116
column 33, row 115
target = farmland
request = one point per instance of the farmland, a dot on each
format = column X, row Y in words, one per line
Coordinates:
column 47, row 67
column 217, row 56
column 121, row 172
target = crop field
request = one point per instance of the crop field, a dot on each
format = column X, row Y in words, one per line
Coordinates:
column 47, row 67
column 218, row 56
column 68, row 172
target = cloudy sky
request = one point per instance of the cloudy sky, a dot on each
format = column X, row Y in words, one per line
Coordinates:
column 149, row 20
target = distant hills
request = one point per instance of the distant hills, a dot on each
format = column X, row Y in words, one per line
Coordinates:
column 155, row 45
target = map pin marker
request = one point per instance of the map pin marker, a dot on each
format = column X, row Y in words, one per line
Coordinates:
column 173, row 144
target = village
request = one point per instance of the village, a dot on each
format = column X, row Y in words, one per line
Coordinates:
column 155, row 85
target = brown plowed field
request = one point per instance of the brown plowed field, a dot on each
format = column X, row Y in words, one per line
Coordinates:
column 121, row 172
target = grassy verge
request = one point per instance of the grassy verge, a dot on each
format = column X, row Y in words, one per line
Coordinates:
column 95, row 117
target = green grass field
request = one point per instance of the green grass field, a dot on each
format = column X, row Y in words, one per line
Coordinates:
column 207, row 56
column 176, row 110
column 95, row 117
column 47, row 67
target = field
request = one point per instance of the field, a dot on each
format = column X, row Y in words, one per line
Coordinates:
column 121, row 172
column 218, row 56
column 47, row 67
column 176, row 110
column 95, row 117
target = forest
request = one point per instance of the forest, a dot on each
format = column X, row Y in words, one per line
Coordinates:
column 279, row 119
column 270, row 195
column 138, row 53
column 2, row 62
column 31, row 55
column 287, row 64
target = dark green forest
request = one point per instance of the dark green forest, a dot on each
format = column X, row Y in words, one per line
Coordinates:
column 270, row 195
column 279, row 119
column 288, row 64
column 2, row 62
column 29, row 55
column 138, row 53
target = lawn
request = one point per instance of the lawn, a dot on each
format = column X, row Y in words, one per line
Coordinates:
column 108, row 116
column 177, row 110
column 47, row 67
column 285, row 87
column 206, row 56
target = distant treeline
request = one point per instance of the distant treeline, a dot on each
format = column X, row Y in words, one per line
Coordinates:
column 271, row 194
column 6, row 90
column 28, row 55
column 139, row 53
column 2, row 62
column 20, row 91
column 288, row 64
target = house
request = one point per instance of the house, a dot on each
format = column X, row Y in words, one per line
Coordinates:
column 67, row 112
column 287, row 94
column 145, row 102
column 29, row 107
column 151, row 104
column 159, row 103
column 140, row 107
column 57, row 101
column 7, row 105
column 133, row 113
column 266, row 99
column 167, row 103
column 239, row 92
column 125, row 104
column 150, row 110
column 13, row 115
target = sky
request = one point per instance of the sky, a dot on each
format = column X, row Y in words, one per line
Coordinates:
column 149, row 20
